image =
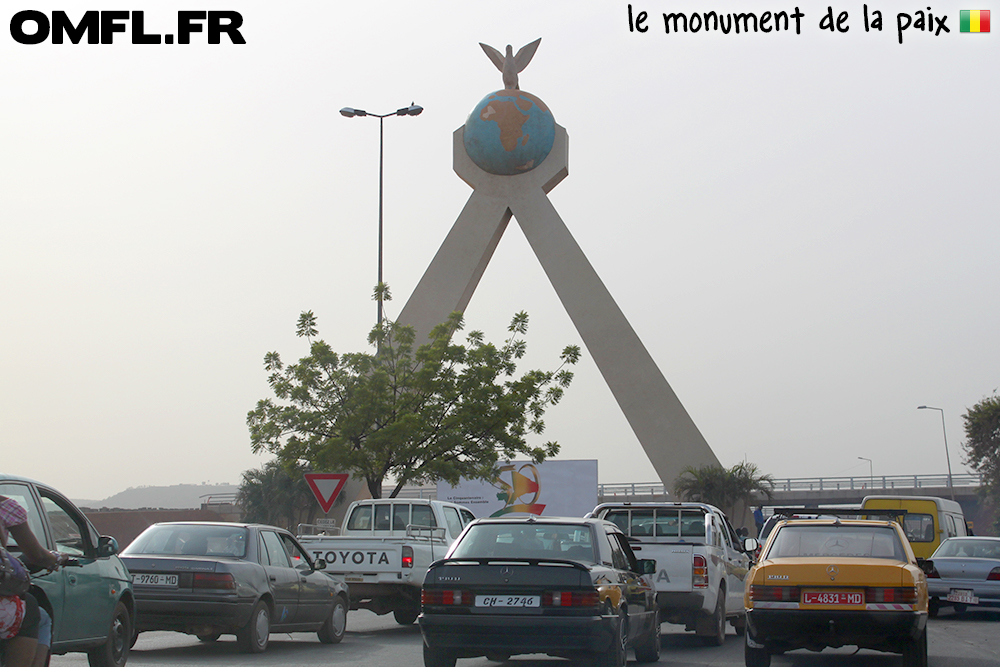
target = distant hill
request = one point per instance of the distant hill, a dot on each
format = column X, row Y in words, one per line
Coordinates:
column 178, row 496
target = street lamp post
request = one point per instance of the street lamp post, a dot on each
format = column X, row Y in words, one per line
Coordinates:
column 871, row 472
column 946, row 454
column 412, row 110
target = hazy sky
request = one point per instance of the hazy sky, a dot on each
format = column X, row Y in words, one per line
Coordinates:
column 802, row 228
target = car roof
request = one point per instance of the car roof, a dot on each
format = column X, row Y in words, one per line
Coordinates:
column 534, row 519
column 838, row 522
column 678, row 504
column 230, row 524
column 941, row 503
column 17, row 478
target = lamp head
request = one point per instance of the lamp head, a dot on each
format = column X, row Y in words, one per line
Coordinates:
column 412, row 110
column 351, row 113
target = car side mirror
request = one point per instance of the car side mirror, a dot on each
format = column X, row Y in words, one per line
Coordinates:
column 319, row 564
column 106, row 546
column 750, row 545
column 647, row 566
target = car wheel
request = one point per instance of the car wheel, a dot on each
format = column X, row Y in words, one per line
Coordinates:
column 436, row 657
column 253, row 637
column 713, row 629
column 114, row 651
column 648, row 649
column 933, row 607
column 211, row 637
column 406, row 615
column 915, row 651
column 755, row 656
column 616, row 654
column 332, row 631
column 961, row 608
column 739, row 624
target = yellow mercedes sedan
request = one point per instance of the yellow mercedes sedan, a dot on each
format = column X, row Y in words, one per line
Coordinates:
column 830, row 582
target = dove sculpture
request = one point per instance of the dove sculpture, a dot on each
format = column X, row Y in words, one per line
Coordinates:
column 511, row 64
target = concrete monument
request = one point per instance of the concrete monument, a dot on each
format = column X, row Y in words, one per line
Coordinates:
column 512, row 153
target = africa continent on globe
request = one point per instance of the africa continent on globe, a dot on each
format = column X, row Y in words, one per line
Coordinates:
column 509, row 132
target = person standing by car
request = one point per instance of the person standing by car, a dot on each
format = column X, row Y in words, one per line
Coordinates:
column 758, row 519
column 21, row 619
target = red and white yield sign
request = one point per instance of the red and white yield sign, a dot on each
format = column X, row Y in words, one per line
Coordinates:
column 326, row 486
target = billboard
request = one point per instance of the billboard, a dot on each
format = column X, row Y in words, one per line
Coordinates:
column 552, row 488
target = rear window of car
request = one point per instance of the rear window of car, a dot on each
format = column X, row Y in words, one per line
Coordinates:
column 969, row 549
column 919, row 527
column 826, row 541
column 190, row 540
column 681, row 523
column 556, row 541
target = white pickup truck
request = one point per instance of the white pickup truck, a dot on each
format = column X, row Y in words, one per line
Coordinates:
column 701, row 566
column 386, row 547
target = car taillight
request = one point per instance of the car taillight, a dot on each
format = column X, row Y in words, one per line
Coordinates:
column 994, row 574
column 570, row 599
column 907, row 595
column 774, row 593
column 445, row 597
column 407, row 557
column 699, row 573
column 219, row 580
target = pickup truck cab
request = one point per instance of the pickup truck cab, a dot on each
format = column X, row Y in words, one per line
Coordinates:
column 701, row 566
column 385, row 548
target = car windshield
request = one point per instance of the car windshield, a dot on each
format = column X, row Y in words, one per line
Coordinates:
column 525, row 540
column 964, row 548
column 837, row 541
column 190, row 540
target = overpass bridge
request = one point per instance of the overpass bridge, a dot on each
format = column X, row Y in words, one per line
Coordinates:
column 812, row 491
column 816, row 491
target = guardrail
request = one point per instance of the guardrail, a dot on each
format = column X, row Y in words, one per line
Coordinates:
column 877, row 483
column 657, row 490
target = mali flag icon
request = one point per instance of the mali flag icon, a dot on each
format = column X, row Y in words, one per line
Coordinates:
column 974, row 20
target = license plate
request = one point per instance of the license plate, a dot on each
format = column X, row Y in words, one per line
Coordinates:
column 508, row 601
column 166, row 580
column 833, row 597
column 962, row 596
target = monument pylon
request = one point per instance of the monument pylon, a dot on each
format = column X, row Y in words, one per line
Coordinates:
column 513, row 153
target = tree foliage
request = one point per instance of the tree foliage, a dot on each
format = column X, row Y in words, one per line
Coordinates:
column 440, row 411
column 276, row 495
column 982, row 443
column 729, row 489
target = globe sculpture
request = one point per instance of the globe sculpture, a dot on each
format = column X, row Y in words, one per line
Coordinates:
column 509, row 132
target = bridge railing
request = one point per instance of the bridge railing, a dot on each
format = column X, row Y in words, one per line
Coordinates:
column 866, row 482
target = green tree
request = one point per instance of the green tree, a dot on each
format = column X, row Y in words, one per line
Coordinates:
column 982, row 445
column 729, row 489
column 276, row 496
column 441, row 411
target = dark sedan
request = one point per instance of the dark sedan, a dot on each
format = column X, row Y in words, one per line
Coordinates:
column 966, row 572
column 210, row 579
column 569, row 588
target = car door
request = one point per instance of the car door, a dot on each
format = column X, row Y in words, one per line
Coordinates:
column 52, row 584
column 737, row 567
column 634, row 588
column 315, row 601
column 89, row 597
column 282, row 578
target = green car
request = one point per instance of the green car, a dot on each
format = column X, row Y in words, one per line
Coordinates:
column 91, row 603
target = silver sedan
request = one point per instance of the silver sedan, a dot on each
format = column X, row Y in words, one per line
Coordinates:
column 966, row 572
